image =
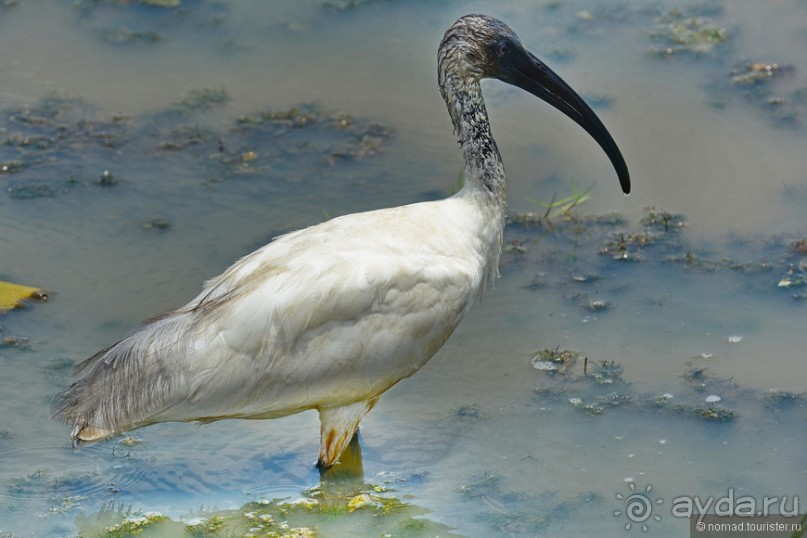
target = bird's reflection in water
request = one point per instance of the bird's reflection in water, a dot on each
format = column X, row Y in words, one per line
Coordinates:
column 340, row 483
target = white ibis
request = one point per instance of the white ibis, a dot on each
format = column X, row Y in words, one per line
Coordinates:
column 330, row 317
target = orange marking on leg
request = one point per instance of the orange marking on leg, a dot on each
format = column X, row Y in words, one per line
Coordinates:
column 338, row 424
column 329, row 439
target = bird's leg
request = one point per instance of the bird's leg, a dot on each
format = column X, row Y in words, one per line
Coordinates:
column 339, row 480
column 337, row 426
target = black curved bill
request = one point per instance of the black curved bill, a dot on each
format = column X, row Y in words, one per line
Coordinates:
column 524, row 70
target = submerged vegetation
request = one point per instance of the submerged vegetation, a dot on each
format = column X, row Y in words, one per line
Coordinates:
column 597, row 388
column 686, row 31
column 45, row 148
column 679, row 31
column 701, row 33
column 346, row 506
column 561, row 250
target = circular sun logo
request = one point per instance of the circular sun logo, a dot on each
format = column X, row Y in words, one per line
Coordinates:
column 638, row 507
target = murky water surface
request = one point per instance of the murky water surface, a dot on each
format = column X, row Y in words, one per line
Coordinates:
column 145, row 148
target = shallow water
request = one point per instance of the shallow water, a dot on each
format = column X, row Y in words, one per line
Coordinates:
column 479, row 443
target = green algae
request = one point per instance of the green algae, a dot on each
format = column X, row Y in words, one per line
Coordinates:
column 679, row 31
column 567, row 244
column 601, row 387
column 371, row 509
column 54, row 146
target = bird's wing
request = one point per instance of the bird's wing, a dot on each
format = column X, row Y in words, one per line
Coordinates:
column 342, row 307
column 332, row 313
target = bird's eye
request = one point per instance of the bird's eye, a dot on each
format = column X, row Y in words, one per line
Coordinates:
column 503, row 47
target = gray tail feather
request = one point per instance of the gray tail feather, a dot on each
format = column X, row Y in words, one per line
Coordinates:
column 125, row 385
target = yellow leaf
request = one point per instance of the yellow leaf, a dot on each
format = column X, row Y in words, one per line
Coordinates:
column 11, row 295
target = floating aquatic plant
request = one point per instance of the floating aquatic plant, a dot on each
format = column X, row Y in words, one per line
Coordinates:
column 366, row 509
column 468, row 413
column 53, row 147
column 555, row 361
column 679, row 32
column 600, row 387
column 779, row 399
column 133, row 525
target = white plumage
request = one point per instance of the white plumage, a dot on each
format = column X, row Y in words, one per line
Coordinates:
column 331, row 316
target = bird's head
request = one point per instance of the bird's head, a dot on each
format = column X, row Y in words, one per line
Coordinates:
column 480, row 46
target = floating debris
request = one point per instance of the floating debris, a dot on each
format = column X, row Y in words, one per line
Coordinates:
column 468, row 413
column 782, row 398
column 604, row 389
column 627, row 246
column 550, row 393
column 556, row 361
column 755, row 80
column 13, row 341
column 758, row 72
column 660, row 401
column 10, row 167
column 795, row 280
column 585, row 278
column 107, row 179
column 606, row 373
column 51, row 136
column 588, row 408
column 157, row 223
column 597, row 305
column 678, row 33
column 14, row 295
column 664, row 220
column 131, row 441
column 717, row 413
column 287, row 145
column 735, row 339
